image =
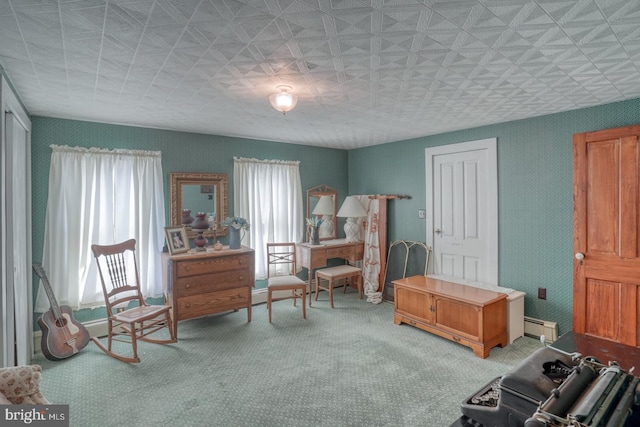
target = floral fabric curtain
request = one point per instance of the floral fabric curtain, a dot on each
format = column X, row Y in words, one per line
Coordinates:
column 369, row 227
column 103, row 197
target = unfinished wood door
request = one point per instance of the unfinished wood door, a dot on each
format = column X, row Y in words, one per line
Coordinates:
column 606, row 274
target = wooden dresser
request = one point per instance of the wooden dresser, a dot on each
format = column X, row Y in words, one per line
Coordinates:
column 207, row 283
column 473, row 317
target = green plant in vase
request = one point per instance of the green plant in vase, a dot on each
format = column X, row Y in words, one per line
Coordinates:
column 235, row 225
column 314, row 224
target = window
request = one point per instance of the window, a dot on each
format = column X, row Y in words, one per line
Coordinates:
column 103, row 197
column 268, row 193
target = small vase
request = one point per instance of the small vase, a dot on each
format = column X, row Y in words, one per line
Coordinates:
column 200, row 223
column 315, row 236
column 234, row 238
column 200, row 241
column 186, row 217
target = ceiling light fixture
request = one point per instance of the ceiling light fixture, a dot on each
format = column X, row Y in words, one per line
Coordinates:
column 283, row 101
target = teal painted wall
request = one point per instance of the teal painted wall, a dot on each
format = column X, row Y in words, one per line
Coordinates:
column 181, row 152
column 535, row 193
column 534, row 183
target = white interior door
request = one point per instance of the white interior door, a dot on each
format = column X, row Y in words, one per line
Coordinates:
column 17, row 214
column 462, row 207
column 16, row 328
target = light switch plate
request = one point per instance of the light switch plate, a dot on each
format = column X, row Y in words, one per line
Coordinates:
column 422, row 213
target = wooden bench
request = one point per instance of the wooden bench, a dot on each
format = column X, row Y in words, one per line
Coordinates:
column 331, row 274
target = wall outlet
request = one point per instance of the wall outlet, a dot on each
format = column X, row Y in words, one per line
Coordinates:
column 422, row 213
column 542, row 293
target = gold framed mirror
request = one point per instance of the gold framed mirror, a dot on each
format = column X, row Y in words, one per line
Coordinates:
column 199, row 192
column 322, row 201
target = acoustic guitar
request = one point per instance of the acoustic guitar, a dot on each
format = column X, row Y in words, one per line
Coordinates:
column 62, row 335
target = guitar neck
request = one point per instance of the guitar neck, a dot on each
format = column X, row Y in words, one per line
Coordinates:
column 47, row 287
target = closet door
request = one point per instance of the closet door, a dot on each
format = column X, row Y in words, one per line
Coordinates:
column 606, row 261
column 15, row 297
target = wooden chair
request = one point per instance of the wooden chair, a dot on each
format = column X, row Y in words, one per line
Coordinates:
column 281, row 276
column 129, row 317
column 332, row 274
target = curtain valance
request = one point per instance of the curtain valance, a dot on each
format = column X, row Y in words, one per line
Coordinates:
column 94, row 150
column 267, row 161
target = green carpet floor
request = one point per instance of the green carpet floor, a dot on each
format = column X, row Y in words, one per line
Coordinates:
column 348, row 366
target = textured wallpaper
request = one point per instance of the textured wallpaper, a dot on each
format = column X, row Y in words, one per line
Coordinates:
column 534, row 183
column 181, row 152
column 535, row 192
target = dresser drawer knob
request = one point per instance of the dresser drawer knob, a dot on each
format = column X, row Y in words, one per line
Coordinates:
column 187, row 285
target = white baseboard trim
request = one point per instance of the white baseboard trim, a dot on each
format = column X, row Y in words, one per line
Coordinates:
column 259, row 296
column 98, row 328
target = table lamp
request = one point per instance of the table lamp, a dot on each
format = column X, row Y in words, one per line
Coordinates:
column 325, row 209
column 352, row 210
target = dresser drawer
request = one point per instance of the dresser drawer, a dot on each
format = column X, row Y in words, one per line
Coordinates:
column 212, row 265
column 319, row 258
column 344, row 252
column 359, row 253
column 213, row 302
column 195, row 285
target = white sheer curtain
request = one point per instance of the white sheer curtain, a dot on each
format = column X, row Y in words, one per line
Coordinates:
column 103, row 197
column 371, row 263
column 268, row 193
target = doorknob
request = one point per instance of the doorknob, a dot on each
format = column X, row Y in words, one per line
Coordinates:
column 580, row 257
column 437, row 231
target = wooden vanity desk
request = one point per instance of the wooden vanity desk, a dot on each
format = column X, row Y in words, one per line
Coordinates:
column 209, row 282
column 470, row 316
column 312, row 257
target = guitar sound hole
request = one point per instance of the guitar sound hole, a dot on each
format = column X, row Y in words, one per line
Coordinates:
column 61, row 323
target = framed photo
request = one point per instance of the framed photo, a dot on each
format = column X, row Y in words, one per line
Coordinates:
column 177, row 240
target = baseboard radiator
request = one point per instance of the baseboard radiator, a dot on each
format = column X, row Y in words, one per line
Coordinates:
column 537, row 328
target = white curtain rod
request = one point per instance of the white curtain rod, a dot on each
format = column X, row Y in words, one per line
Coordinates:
column 250, row 160
column 388, row 196
column 95, row 150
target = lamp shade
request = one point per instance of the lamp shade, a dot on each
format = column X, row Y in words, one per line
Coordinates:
column 351, row 208
column 325, row 206
column 283, row 101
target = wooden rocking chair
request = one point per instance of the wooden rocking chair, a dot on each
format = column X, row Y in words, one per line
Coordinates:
column 129, row 317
